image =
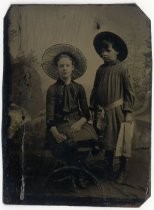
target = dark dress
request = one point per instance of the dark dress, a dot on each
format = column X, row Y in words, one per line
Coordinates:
column 112, row 82
column 66, row 104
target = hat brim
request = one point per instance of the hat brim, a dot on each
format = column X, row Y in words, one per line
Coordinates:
column 48, row 60
column 113, row 38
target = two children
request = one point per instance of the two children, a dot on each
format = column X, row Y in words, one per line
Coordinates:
column 67, row 111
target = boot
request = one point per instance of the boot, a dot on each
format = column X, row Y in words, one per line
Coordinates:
column 108, row 164
column 122, row 170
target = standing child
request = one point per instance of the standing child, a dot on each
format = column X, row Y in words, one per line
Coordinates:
column 113, row 92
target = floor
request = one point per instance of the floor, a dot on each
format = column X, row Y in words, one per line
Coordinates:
column 136, row 187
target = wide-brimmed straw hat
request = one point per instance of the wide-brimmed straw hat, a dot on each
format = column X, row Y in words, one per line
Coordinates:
column 50, row 55
column 113, row 38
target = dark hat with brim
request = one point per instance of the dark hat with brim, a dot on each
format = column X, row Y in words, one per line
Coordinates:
column 50, row 55
column 114, row 39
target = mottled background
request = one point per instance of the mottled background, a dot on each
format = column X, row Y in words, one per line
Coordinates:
column 34, row 28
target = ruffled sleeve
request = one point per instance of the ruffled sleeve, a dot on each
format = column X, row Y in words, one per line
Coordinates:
column 128, row 94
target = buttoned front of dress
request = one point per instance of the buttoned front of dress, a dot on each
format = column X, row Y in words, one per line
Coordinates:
column 65, row 105
column 65, row 101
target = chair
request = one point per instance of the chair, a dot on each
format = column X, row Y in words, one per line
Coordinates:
column 76, row 167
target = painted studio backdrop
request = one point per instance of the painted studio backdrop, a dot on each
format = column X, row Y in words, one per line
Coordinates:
column 29, row 31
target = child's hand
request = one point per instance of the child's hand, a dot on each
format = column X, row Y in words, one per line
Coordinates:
column 129, row 117
column 58, row 136
column 76, row 127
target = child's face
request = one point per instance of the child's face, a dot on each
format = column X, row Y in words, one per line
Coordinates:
column 109, row 54
column 65, row 67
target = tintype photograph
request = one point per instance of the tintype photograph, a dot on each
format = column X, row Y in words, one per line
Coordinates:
column 76, row 126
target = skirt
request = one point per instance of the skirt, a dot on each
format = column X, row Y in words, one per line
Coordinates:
column 66, row 149
column 114, row 118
